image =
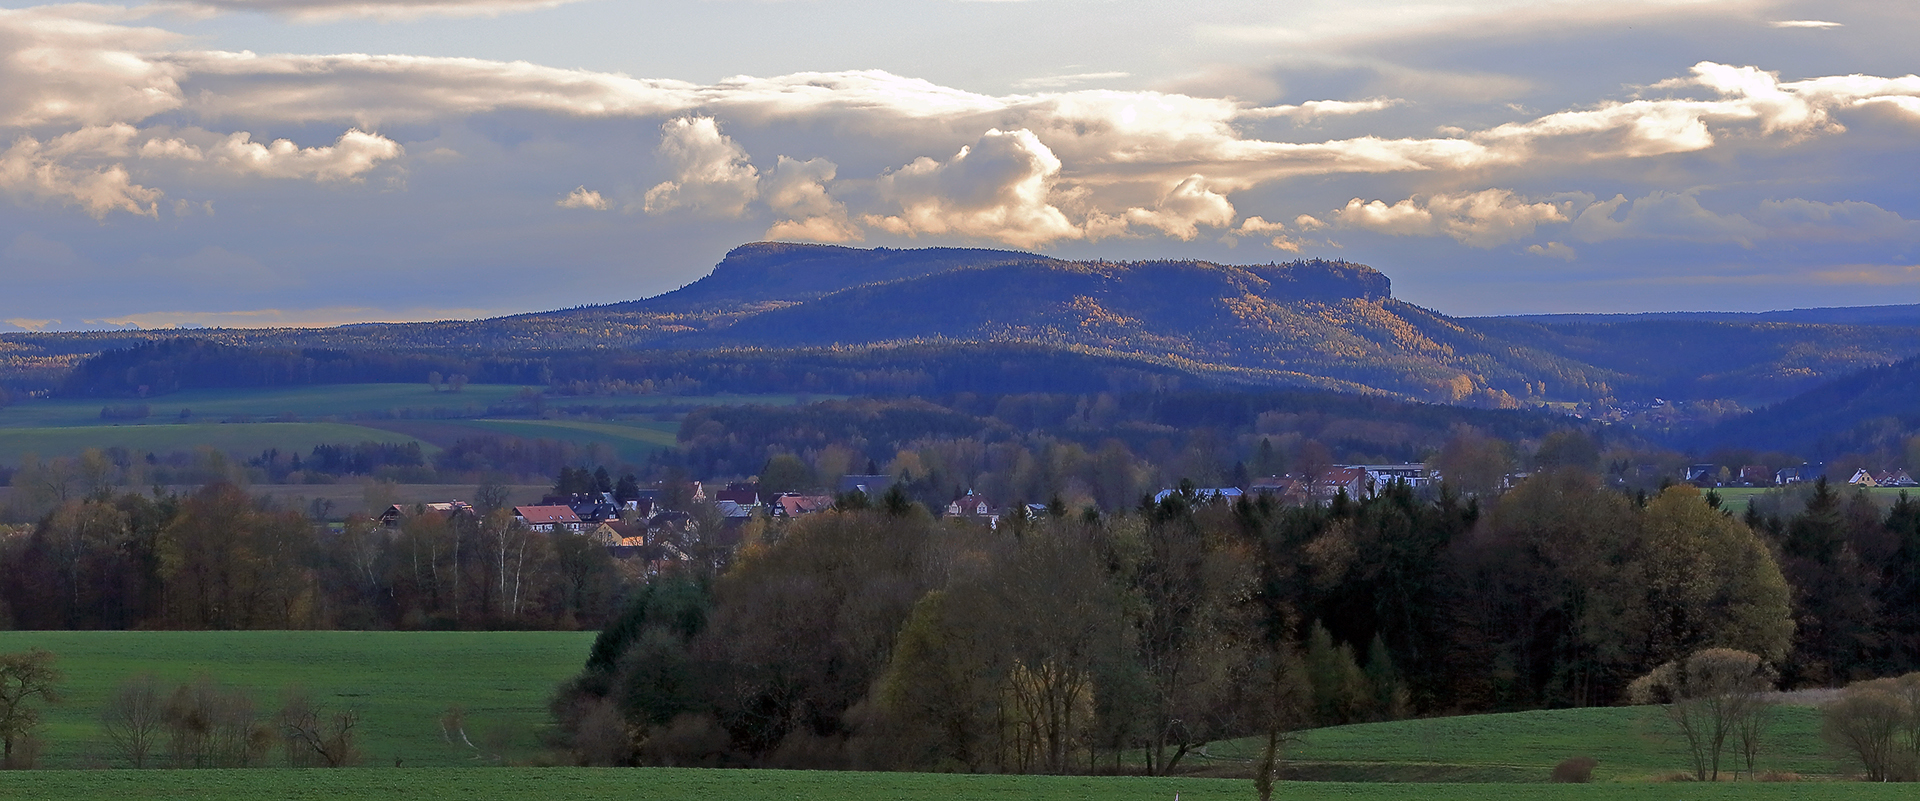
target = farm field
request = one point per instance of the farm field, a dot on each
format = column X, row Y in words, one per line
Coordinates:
column 1631, row 743
column 1736, row 499
column 350, row 497
column 248, row 421
column 632, row 441
column 400, row 682
column 679, row 784
column 341, row 400
column 243, row 438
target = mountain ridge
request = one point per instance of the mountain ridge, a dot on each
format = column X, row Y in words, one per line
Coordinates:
column 1310, row 322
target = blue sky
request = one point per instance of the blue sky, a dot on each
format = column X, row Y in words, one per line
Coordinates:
column 262, row 162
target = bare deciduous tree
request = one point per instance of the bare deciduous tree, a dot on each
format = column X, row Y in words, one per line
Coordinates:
column 315, row 737
column 1877, row 723
column 134, row 719
column 1710, row 697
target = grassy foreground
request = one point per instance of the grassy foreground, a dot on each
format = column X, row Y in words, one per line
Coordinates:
column 584, row 784
column 1631, row 744
column 400, row 682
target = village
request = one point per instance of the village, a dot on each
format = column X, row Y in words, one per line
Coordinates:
column 647, row 525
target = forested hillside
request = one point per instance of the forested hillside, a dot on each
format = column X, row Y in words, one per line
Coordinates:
column 775, row 317
column 1875, row 410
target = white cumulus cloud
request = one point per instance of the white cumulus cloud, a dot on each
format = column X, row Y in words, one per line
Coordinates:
column 583, row 198
column 712, row 174
column 997, row 188
column 354, row 154
column 1484, row 219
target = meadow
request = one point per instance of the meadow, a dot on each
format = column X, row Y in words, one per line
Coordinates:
column 401, row 683
column 678, row 784
column 1736, row 499
column 294, row 419
column 304, row 402
column 1632, row 744
column 240, row 438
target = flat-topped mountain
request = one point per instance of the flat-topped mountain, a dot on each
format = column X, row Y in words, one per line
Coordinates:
column 1313, row 323
column 786, row 272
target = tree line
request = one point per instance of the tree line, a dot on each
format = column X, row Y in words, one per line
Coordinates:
column 885, row 638
column 217, row 558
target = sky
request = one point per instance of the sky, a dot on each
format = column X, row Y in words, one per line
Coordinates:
column 316, row 162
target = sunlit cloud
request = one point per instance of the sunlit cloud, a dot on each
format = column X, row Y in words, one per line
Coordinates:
column 112, row 122
column 1060, row 81
column 583, row 198
column 329, row 10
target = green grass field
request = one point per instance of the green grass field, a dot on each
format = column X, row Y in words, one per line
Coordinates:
column 341, row 400
column 632, row 441
column 693, row 784
column 1631, row 743
column 242, row 438
column 1737, row 498
column 400, row 682
column 241, row 420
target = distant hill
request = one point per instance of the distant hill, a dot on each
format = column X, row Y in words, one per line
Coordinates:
column 1875, row 409
column 786, row 272
column 1311, row 323
column 1904, row 315
column 936, row 316
column 1676, row 357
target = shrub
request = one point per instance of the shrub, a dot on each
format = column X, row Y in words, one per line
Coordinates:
column 1578, row 770
column 1877, row 724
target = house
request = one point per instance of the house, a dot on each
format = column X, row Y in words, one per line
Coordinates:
column 872, row 486
column 1899, row 478
column 1862, row 478
column 1413, row 474
column 974, row 506
column 1755, row 475
column 1355, row 480
column 1228, row 494
column 590, row 507
column 1284, row 489
column 547, row 518
column 616, row 532
column 1705, row 475
column 399, row 512
column 794, row 504
column 745, row 494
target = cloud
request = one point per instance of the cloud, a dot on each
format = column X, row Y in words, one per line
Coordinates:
column 354, row 154
column 711, row 172
column 1552, row 250
column 1321, row 108
column 997, row 188
column 61, row 68
column 326, row 10
column 1680, row 216
column 1483, row 219
column 583, row 198
column 1058, row 81
column 47, row 170
column 1804, row 23
column 1183, row 208
column 797, row 191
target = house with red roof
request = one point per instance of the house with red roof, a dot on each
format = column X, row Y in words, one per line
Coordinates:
column 547, row 518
